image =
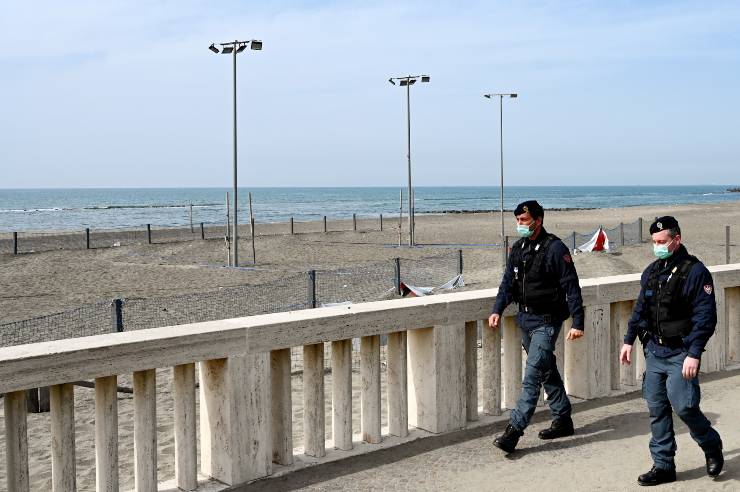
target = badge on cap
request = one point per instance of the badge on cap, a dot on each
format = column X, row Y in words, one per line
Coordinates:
column 526, row 209
column 659, row 225
column 708, row 289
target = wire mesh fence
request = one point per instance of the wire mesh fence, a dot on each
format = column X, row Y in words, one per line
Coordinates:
column 295, row 292
column 39, row 241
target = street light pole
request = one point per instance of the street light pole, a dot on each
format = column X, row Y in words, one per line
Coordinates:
column 501, row 146
column 236, row 200
column 233, row 48
column 408, row 81
column 408, row 159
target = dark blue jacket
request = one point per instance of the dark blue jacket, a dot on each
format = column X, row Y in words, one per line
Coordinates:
column 557, row 263
column 698, row 291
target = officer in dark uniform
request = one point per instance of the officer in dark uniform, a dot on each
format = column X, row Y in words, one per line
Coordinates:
column 541, row 278
column 674, row 317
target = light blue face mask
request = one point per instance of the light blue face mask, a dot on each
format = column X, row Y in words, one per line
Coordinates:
column 661, row 250
column 523, row 231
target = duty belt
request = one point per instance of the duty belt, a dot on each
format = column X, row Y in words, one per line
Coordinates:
column 547, row 318
column 670, row 342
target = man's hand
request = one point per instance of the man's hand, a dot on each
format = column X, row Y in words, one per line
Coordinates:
column 574, row 334
column 493, row 320
column 690, row 368
column 625, row 355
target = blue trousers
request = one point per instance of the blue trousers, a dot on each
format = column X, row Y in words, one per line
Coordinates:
column 538, row 341
column 666, row 391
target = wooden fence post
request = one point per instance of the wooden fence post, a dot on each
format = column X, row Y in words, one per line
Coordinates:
column 354, row 222
column 149, row 233
column 15, row 243
column 87, row 238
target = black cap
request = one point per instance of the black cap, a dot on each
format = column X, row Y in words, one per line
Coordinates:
column 663, row 223
column 531, row 206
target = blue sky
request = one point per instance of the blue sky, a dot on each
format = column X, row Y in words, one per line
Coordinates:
column 126, row 93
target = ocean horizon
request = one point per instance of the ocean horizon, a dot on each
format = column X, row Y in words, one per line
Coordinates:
column 110, row 208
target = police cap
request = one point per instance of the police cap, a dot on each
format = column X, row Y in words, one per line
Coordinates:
column 531, row 206
column 666, row 222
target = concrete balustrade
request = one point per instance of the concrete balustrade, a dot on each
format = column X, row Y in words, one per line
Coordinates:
column 245, row 391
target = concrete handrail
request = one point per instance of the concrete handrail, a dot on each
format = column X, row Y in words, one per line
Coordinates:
column 245, row 383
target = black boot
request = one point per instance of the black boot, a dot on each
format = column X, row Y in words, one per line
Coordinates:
column 561, row 427
column 509, row 439
column 715, row 461
column 657, row 476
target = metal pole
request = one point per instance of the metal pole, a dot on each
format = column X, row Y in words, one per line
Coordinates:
column 149, row 234
column 354, row 222
column 397, row 272
column 228, row 229
column 727, row 244
column 639, row 229
column 408, row 156
column 400, row 214
column 381, row 222
column 202, row 231
column 236, row 202
column 251, row 228
column 87, row 238
column 459, row 261
column 312, row 289
column 15, row 243
column 501, row 138
column 191, row 218
column 324, row 223
column 117, row 315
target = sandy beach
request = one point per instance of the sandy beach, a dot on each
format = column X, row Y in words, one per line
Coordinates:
column 44, row 283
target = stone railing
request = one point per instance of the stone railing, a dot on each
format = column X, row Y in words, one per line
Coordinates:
column 245, row 381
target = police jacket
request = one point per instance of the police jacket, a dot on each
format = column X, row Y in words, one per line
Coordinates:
column 674, row 312
column 541, row 278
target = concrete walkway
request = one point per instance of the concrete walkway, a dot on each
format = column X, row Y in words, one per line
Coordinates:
column 608, row 452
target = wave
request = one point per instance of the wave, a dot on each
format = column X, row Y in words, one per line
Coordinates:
column 29, row 210
column 172, row 205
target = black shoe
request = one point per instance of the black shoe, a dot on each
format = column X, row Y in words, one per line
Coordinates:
column 561, row 427
column 715, row 461
column 509, row 439
column 657, row 476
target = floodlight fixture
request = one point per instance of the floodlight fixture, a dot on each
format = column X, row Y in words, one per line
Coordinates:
column 227, row 50
column 213, row 48
column 256, row 45
column 391, row 81
column 425, row 78
column 241, row 48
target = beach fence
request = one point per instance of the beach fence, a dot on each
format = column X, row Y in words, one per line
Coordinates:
column 20, row 242
column 316, row 288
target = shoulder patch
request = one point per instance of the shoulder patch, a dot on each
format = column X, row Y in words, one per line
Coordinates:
column 708, row 289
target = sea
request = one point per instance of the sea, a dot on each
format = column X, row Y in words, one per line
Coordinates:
column 113, row 208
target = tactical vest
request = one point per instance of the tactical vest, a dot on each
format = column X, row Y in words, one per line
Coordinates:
column 669, row 313
column 533, row 289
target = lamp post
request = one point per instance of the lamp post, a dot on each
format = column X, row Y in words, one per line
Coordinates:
column 407, row 82
column 233, row 48
column 501, row 136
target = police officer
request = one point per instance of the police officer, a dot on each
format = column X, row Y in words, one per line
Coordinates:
column 674, row 317
column 541, row 278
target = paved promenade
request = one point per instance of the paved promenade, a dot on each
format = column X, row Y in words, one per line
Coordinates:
column 608, row 452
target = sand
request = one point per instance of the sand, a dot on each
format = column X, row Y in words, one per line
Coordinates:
column 43, row 283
